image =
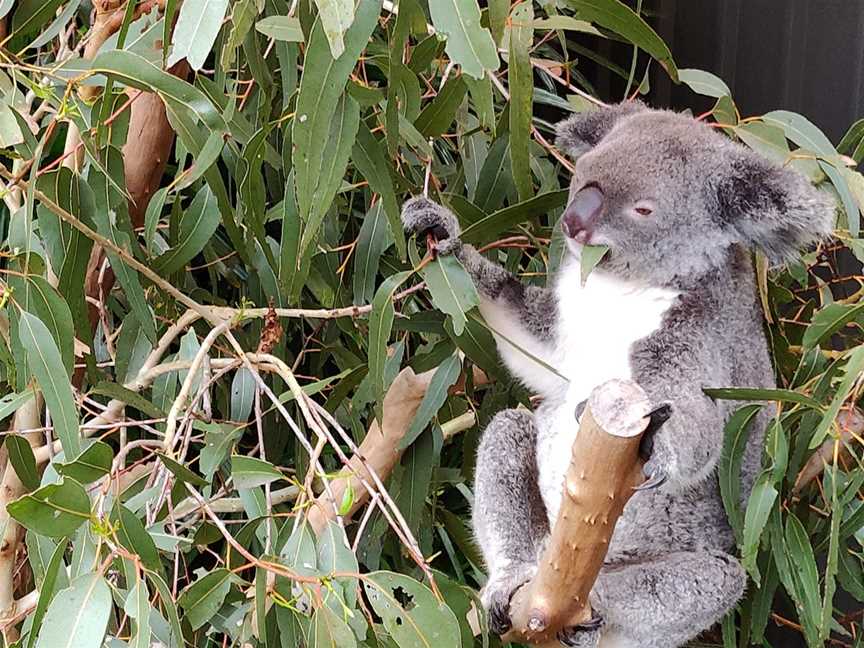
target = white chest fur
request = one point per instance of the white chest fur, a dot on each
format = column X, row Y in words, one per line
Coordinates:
column 598, row 325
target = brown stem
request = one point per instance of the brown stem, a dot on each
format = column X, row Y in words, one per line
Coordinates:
column 604, row 470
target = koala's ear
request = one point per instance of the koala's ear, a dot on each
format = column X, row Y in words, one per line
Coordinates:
column 584, row 130
column 765, row 205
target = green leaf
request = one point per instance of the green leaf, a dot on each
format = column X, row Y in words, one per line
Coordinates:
column 336, row 17
column 78, row 616
column 55, row 510
column 248, row 472
column 140, row 73
column 445, row 376
column 198, row 224
column 417, row 465
column 436, row 118
column 108, row 225
column 468, row 43
column 36, row 296
column 746, row 393
column 411, row 613
column 10, row 403
column 203, row 598
column 832, row 559
column 851, row 372
column 54, row 577
column 47, row 366
column 828, row 321
column 380, row 325
column 621, row 19
column 567, row 23
column 762, row 498
column 23, row 460
column 181, row 472
column 368, row 156
column 801, row 131
column 281, row 28
column 299, row 552
column 197, row 26
column 134, row 537
column 452, row 289
column 93, row 463
column 131, row 398
column 805, row 578
column 242, row 394
column 374, row 238
column 736, row 434
column 176, row 635
column 137, row 606
column 327, row 630
column 704, row 83
column 503, row 220
column 591, row 256
column 337, row 150
column 766, row 139
column 318, row 100
column 521, row 78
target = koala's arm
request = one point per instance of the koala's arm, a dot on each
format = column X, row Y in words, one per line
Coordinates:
column 673, row 366
column 523, row 318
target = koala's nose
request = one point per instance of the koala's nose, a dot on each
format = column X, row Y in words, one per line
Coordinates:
column 582, row 213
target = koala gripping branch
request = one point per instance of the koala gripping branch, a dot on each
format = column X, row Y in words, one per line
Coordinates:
column 604, row 470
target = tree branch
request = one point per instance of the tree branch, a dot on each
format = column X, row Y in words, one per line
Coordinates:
column 604, row 470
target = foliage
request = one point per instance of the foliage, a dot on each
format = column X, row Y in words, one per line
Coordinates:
column 199, row 431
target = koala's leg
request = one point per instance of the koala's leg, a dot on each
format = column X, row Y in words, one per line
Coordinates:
column 667, row 601
column 510, row 519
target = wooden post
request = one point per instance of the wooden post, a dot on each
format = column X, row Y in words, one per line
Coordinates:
column 604, row 470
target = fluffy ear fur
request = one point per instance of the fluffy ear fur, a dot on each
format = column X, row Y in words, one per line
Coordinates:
column 584, row 130
column 771, row 207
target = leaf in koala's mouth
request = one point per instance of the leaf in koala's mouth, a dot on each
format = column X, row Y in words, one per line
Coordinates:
column 591, row 256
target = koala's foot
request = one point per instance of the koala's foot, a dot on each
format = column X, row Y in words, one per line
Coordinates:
column 655, row 468
column 498, row 592
column 422, row 216
column 584, row 635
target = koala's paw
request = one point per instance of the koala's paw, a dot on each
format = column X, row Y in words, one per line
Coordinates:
column 422, row 216
column 656, row 458
column 498, row 592
column 584, row 635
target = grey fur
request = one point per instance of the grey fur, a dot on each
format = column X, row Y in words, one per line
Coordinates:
column 668, row 575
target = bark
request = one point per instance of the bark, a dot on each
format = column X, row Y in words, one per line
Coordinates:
column 604, row 470
column 380, row 448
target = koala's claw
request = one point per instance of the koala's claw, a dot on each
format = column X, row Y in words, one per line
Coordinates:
column 655, row 480
column 584, row 635
column 422, row 216
column 498, row 594
column 656, row 418
column 499, row 618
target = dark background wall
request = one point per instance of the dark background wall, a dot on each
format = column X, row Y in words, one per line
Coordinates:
column 801, row 55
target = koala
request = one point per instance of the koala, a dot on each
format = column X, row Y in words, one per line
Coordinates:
column 673, row 306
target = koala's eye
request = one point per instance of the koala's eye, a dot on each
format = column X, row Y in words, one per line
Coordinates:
column 643, row 208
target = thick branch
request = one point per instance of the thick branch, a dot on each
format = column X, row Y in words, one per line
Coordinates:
column 604, row 470
column 380, row 449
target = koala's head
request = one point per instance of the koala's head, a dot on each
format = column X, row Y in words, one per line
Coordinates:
column 670, row 196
